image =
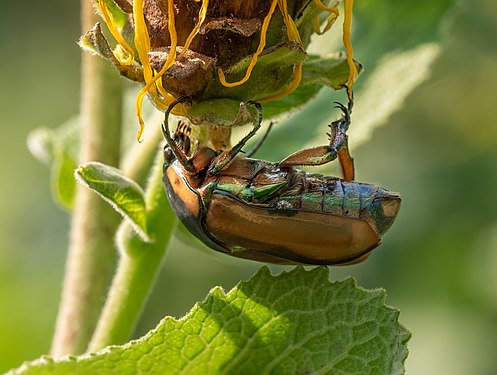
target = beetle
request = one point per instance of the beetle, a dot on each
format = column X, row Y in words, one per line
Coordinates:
column 273, row 212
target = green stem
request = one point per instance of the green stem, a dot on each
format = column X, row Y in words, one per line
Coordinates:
column 138, row 267
column 91, row 257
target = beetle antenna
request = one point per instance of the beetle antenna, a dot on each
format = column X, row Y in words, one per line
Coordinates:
column 165, row 125
column 261, row 141
column 176, row 150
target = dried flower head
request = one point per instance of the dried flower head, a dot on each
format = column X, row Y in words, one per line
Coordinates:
column 231, row 51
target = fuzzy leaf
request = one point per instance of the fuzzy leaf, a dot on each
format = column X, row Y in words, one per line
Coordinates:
column 122, row 193
column 396, row 42
column 95, row 42
column 331, row 71
column 318, row 71
column 59, row 148
column 62, row 178
column 293, row 323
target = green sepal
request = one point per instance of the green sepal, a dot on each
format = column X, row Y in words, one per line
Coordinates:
column 305, row 22
column 318, row 71
column 95, row 42
column 274, row 69
column 222, row 112
column 122, row 193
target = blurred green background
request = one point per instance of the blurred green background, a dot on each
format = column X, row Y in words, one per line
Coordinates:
column 438, row 263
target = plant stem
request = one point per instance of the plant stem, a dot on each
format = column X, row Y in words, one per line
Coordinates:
column 91, row 257
column 138, row 267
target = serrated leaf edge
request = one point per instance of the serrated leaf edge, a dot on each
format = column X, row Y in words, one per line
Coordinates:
column 261, row 274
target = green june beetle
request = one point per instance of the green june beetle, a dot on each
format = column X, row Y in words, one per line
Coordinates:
column 272, row 212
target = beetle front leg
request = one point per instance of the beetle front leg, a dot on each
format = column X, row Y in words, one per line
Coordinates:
column 338, row 147
column 171, row 144
column 226, row 157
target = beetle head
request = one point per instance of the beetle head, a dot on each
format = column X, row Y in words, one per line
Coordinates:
column 202, row 158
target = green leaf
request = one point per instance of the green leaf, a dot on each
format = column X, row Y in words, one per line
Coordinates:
column 296, row 99
column 293, row 323
column 396, row 42
column 40, row 144
column 387, row 88
column 62, row 178
column 122, row 193
column 274, row 69
column 331, row 71
column 95, row 42
column 59, row 148
column 318, row 71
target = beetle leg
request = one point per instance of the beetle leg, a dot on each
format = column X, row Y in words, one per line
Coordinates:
column 347, row 161
column 338, row 147
column 225, row 157
column 171, row 144
column 340, row 143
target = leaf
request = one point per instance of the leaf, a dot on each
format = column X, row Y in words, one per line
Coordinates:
column 40, row 144
column 396, row 42
column 122, row 193
column 117, row 13
column 95, row 42
column 384, row 92
column 388, row 86
column 62, row 178
column 296, row 99
column 294, row 323
column 59, row 148
column 331, row 71
column 318, row 71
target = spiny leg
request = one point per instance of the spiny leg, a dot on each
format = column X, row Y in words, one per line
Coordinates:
column 224, row 158
column 337, row 147
column 341, row 144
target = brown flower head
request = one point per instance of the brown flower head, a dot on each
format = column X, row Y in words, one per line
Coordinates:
column 226, row 51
